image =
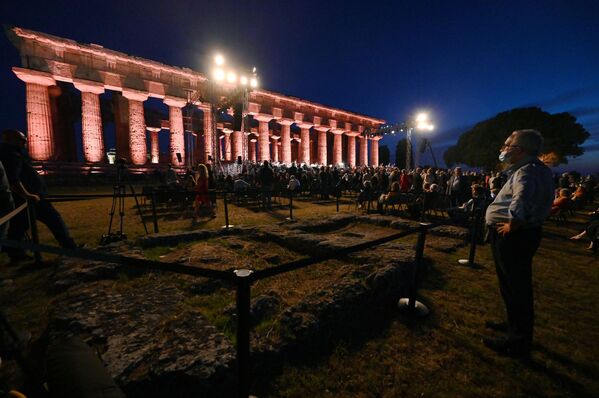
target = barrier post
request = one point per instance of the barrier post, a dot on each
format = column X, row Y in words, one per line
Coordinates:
column 33, row 225
column 473, row 233
column 154, row 218
column 290, row 205
column 243, row 331
column 338, row 194
column 410, row 305
column 226, row 204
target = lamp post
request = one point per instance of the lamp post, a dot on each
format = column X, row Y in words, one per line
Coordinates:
column 226, row 87
column 420, row 123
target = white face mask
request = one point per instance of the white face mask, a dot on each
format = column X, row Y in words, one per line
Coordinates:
column 504, row 157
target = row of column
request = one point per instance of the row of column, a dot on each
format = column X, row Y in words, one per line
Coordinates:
column 41, row 136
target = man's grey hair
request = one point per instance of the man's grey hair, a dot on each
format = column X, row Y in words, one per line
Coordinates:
column 530, row 140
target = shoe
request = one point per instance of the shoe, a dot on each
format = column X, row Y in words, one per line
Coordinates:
column 506, row 347
column 497, row 326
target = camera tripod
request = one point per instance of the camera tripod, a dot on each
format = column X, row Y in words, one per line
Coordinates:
column 118, row 202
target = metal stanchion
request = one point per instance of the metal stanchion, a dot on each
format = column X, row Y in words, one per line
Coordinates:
column 33, row 225
column 473, row 232
column 338, row 195
column 226, row 204
column 290, row 218
column 410, row 305
column 243, row 331
column 154, row 218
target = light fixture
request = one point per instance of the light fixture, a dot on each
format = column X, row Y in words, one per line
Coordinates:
column 254, row 82
column 231, row 77
column 219, row 74
column 243, row 80
column 219, row 59
column 421, row 117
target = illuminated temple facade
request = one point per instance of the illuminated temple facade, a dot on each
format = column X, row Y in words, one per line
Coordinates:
column 282, row 129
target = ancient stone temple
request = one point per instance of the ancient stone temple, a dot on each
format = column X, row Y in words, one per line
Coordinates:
column 281, row 129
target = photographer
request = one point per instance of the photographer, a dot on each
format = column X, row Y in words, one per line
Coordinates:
column 26, row 184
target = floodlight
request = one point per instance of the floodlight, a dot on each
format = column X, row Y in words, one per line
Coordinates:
column 219, row 74
column 231, row 77
column 254, row 82
column 243, row 80
column 219, row 59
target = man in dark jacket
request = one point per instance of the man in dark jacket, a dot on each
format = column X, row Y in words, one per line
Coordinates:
column 26, row 185
column 267, row 178
column 457, row 188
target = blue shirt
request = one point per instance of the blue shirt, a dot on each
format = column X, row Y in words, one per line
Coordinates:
column 526, row 196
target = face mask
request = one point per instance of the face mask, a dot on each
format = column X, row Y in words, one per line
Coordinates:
column 504, row 157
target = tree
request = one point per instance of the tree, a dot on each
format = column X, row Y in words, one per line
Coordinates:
column 479, row 146
column 384, row 155
column 400, row 154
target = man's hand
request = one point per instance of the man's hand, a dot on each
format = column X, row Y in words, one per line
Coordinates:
column 33, row 197
column 504, row 228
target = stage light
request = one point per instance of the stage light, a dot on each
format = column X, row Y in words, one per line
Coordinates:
column 243, row 80
column 254, row 82
column 219, row 59
column 421, row 117
column 231, row 77
column 219, row 74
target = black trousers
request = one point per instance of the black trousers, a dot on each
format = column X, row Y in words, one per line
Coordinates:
column 45, row 213
column 513, row 255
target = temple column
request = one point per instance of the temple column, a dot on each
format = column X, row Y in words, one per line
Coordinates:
column 207, row 110
column 154, row 148
column 351, row 148
column 40, row 133
column 91, row 120
column 252, row 149
column 304, row 155
column 285, row 140
column 363, row 150
column 374, row 151
column 137, row 126
column 177, row 141
column 322, row 144
column 237, row 145
column 263, row 139
column 227, row 143
column 274, row 151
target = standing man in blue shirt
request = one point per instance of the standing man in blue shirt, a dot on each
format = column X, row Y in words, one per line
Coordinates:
column 514, row 220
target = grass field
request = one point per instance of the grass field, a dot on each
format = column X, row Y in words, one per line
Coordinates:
column 440, row 356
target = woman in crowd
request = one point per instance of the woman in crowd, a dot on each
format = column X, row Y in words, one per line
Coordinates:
column 562, row 202
column 202, row 200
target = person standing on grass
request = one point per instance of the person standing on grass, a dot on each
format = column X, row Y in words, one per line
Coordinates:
column 514, row 220
column 26, row 184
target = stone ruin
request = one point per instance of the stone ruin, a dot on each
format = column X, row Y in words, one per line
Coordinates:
column 165, row 334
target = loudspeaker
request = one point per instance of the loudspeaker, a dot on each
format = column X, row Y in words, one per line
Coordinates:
column 179, row 158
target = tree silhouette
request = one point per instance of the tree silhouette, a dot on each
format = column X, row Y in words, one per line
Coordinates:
column 384, row 155
column 479, row 146
column 400, row 154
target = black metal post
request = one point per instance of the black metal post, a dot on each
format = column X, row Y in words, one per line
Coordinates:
column 226, row 204
column 33, row 225
column 338, row 194
column 473, row 233
column 154, row 218
column 290, row 205
column 243, row 331
column 410, row 305
column 423, row 211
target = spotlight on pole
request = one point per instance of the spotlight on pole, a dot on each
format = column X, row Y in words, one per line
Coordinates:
column 219, row 74
column 219, row 60
column 231, row 77
column 254, row 82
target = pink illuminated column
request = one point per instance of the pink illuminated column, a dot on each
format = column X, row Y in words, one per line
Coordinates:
column 305, row 142
column 227, row 143
column 285, row 140
column 154, row 149
column 177, row 142
column 337, row 147
column 322, row 143
column 91, row 120
column 40, row 134
column 351, row 148
column 137, row 126
column 374, row 151
column 207, row 110
column 275, row 151
column 252, row 149
column 263, row 140
column 363, row 150
column 237, row 144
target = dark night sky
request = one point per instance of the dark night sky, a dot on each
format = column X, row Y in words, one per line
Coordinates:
column 464, row 61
